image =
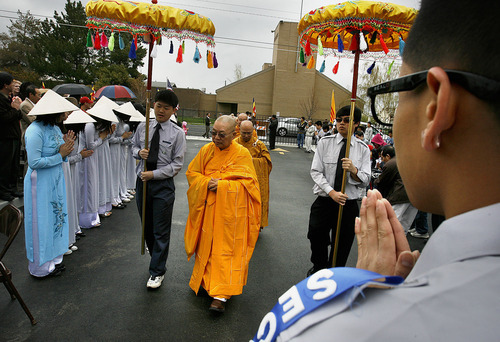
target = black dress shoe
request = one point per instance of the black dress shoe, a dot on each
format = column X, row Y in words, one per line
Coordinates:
column 61, row 267
column 6, row 197
column 81, row 234
column 217, row 306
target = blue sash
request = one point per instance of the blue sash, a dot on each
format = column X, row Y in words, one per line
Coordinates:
column 313, row 292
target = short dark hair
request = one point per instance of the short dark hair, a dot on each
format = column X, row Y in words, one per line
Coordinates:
column 23, row 90
column 359, row 133
column 326, row 126
column 140, row 108
column 168, row 97
column 346, row 111
column 388, row 150
column 449, row 28
column 5, row 79
column 319, row 123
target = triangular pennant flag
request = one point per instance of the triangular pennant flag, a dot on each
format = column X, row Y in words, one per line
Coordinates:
column 111, row 43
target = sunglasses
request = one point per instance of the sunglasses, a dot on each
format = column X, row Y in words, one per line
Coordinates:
column 344, row 119
column 479, row 86
column 221, row 135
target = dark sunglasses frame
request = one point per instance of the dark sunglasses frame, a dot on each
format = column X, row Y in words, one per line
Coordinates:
column 479, row 86
column 344, row 119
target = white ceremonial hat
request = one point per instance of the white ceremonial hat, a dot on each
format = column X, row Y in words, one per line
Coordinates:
column 78, row 117
column 52, row 103
column 128, row 109
column 139, row 118
column 103, row 109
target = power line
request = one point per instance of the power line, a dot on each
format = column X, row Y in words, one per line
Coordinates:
column 259, row 8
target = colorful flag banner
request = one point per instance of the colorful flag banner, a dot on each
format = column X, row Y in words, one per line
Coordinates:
column 332, row 108
column 254, row 111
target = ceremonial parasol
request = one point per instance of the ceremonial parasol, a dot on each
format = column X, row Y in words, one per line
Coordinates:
column 151, row 21
column 72, row 89
column 115, row 92
column 362, row 27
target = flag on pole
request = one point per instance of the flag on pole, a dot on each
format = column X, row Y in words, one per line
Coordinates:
column 43, row 85
column 332, row 108
column 254, row 111
column 169, row 85
column 92, row 94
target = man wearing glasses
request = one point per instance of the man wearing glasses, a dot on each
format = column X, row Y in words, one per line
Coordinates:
column 224, row 215
column 327, row 170
column 448, row 95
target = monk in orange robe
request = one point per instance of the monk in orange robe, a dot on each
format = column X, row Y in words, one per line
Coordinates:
column 224, row 215
column 241, row 117
column 262, row 163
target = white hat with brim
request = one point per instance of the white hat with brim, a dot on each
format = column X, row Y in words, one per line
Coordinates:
column 52, row 103
column 78, row 117
column 137, row 119
column 128, row 109
column 103, row 109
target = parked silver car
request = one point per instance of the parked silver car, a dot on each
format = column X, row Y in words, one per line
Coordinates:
column 287, row 126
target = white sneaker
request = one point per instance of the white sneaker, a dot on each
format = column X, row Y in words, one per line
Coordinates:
column 418, row 235
column 412, row 230
column 68, row 252
column 73, row 248
column 155, row 282
column 126, row 200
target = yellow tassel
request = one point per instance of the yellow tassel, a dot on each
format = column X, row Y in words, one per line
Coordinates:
column 312, row 63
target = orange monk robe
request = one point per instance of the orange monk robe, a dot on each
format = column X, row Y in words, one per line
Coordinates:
column 263, row 165
column 223, row 226
column 237, row 133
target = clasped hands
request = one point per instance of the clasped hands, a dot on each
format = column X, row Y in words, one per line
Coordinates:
column 69, row 143
column 212, row 184
column 382, row 243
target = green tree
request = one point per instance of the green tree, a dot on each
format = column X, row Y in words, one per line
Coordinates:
column 386, row 104
column 17, row 46
column 113, row 74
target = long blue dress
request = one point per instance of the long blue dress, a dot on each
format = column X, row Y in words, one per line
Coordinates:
column 45, row 209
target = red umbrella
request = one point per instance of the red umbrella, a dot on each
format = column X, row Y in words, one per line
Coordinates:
column 115, row 92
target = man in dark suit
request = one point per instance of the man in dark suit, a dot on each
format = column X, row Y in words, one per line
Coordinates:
column 10, row 138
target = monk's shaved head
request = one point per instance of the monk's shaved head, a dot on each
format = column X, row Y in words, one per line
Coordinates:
column 242, row 117
column 246, row 130
column 228, row 121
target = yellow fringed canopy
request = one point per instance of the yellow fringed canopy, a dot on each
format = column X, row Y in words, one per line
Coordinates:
column 373, row 18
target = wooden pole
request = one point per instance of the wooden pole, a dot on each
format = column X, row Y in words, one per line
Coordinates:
column 146, row 138
column 348, row 147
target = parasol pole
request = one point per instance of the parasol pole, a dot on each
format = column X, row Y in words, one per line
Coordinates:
column 348, row 147
column 146, row 137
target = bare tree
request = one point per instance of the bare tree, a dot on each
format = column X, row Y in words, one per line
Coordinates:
column 386, row 104
column 238, row 72
column 309, row 106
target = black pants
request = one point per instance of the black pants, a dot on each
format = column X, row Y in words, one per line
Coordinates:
column 160, row 197
column 323, row 223
column 272, row 139
column 10, row 156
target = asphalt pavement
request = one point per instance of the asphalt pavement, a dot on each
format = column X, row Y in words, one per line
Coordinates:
column 102, row 295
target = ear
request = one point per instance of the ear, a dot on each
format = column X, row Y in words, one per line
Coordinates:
column 441, row 110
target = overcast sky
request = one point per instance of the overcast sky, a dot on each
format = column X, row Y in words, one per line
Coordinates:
column 236, row 22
